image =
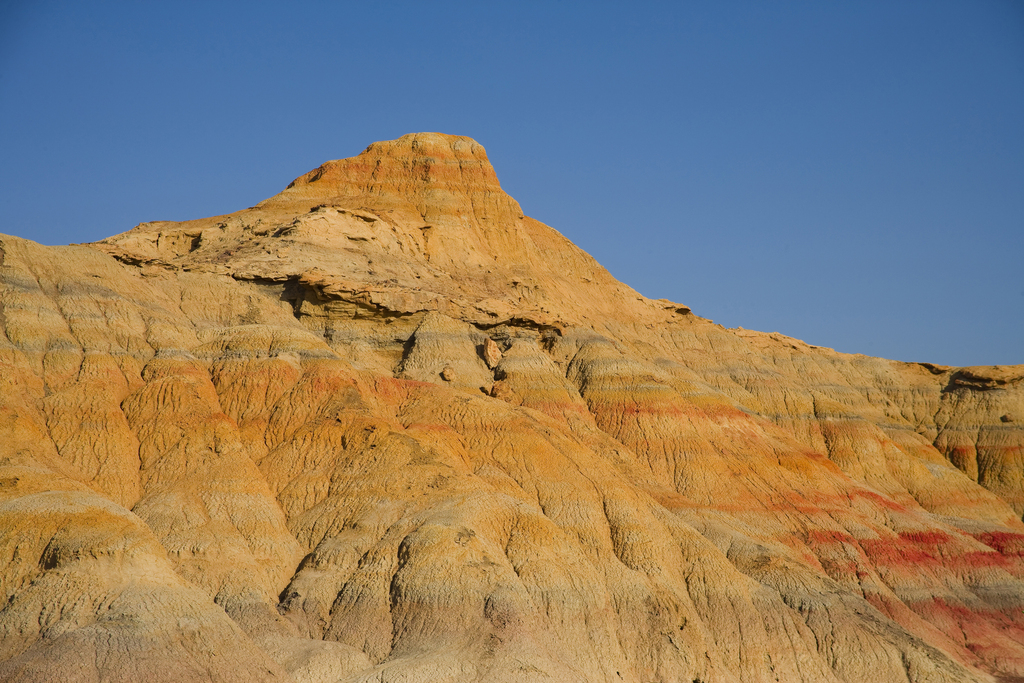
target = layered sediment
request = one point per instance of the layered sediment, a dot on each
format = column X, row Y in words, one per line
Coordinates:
column 385, row 427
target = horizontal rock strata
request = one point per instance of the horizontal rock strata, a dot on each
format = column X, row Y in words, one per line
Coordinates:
column 384, row 427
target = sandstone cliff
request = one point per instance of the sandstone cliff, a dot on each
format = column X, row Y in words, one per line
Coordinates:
column 384, row 427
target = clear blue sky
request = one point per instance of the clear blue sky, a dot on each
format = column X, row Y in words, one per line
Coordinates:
column 848, row 173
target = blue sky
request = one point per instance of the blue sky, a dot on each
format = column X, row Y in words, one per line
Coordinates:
column 848, row 173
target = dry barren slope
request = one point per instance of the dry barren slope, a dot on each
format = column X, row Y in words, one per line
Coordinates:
column 384, row 427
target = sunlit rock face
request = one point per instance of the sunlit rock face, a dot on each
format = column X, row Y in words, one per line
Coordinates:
column 384, row 427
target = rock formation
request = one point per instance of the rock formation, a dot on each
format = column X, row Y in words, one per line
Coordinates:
column 384, row 427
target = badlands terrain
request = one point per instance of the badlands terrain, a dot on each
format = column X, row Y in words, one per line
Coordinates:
column 383, row 427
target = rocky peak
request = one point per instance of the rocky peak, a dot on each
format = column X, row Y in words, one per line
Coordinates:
column 409, row 225
column 439, row 176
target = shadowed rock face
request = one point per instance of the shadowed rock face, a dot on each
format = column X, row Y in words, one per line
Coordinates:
column 384, row 427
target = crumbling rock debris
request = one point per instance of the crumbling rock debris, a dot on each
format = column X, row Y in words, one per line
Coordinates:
column 492, row 354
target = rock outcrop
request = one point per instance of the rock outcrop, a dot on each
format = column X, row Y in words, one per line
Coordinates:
column 384, row 427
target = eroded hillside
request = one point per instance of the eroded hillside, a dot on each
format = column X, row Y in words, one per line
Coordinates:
column 384, row 427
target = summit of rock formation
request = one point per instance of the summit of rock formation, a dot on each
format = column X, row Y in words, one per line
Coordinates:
column 385, row 427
